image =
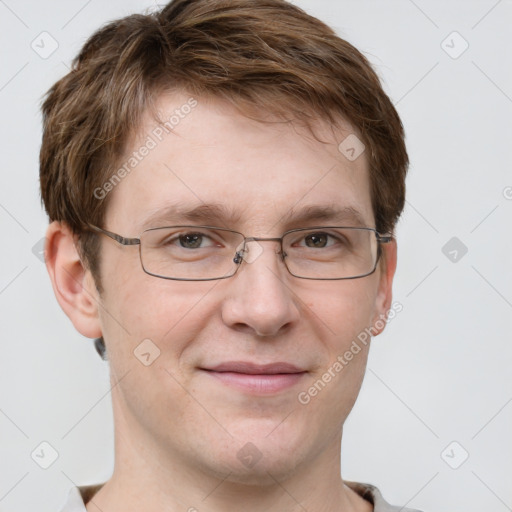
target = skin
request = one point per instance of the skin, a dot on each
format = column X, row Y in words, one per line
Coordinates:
column 177, row 429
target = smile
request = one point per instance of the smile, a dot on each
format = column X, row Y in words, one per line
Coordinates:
column 259, row 384
column 257, row 379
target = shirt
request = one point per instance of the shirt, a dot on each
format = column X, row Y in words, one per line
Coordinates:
column 79, row 496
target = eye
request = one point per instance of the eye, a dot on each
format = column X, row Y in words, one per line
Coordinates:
column 334, row 239
column 317, row 240
column 193, row 240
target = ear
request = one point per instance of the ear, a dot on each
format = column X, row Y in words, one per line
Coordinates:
column 387, row 267
column 72, row 283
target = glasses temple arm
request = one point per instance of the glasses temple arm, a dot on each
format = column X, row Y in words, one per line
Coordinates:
column 118, row 238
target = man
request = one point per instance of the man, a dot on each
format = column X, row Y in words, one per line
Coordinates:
column 223, row 179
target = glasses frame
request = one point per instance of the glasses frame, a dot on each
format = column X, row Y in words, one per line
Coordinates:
column 238, row 257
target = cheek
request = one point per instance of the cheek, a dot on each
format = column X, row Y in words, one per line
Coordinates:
column 343, row 315
column 169, row 313
column 150, row 330
column 333, row 388
column 343, row 308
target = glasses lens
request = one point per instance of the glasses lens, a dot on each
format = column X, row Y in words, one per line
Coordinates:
column 331, row 252
column 190, row 252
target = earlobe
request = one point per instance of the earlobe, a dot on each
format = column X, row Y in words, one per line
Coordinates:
column 384, row 296
column 72, row 283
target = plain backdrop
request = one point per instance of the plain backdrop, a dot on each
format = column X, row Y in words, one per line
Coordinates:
column 432, row 426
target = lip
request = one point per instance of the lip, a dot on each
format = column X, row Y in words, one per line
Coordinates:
column 261, row 379
column 249, row 367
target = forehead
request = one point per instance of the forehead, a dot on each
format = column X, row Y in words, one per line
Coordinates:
column 207, row 160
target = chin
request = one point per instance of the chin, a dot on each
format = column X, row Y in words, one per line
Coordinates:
column 270, row 469
column 255, row 457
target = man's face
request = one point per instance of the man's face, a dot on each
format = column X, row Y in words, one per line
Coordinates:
column 266, row 175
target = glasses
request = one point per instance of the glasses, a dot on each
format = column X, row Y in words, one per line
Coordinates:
column 206, row 253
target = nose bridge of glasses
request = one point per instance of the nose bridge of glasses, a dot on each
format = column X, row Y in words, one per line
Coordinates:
column 243, row 251
column 260, row 239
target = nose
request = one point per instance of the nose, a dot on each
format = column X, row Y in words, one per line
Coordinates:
column 259, row 299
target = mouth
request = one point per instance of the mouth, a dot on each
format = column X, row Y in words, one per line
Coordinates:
column 255, row 378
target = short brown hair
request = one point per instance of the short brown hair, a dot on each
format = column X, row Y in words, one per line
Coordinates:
column 267, row 54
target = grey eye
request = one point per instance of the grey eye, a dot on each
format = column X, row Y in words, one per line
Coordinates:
column 191, row 240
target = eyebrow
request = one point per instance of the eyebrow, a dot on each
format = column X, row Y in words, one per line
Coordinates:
column 222, row 216
column 347, row 215
column 204, row 213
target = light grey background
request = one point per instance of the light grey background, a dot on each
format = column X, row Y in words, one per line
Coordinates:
column 439, row 374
